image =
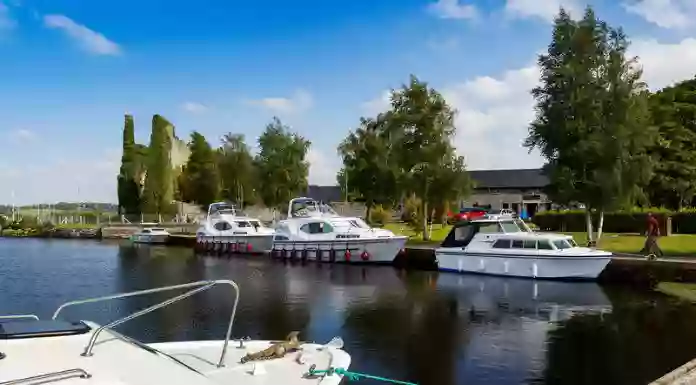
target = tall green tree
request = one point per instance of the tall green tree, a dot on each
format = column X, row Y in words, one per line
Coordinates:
column 199, row 179
column 592, row 122
column 366, row 163
column 158, row 193
column 673, row 111
column 281, row 164
column 422, row 123
column 237, row 170
column 128, row 182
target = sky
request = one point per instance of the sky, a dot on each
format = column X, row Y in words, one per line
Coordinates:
column 70, row 70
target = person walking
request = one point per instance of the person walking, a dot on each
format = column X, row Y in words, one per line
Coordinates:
column 651, row 246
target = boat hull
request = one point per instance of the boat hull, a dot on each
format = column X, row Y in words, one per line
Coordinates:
column 150, row 238
column 586, row 267
column 258, row 243
column 380, row 250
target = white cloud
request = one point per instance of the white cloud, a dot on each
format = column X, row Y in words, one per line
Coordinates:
column 299, row 102
column 453, row 9
column 6, row 20
column 322, row 167
column 672, row 14
column 665, row 64
column 544, row 9
column 91, row 41
column 23, row 135
column 69, row 178
column 194, row 107
column 377, row 105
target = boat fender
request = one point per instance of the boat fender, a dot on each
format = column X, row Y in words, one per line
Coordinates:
column 347, row 255
column 224, row 248
column 332, row 255
column 293, row 254
column 365, row 255
column 249, row 248
column 304, row 255
column 287, row 254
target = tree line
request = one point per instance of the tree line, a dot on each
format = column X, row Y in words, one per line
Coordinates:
column 148, row 181
column 610, row 143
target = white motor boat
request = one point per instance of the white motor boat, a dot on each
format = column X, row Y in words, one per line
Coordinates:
column 225, row 224
column 503, row 245
column 37, row 351
column 150, row 234
column 314, row 231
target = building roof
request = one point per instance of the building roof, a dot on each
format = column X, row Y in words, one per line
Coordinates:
column 324, row 193
column 497, row 179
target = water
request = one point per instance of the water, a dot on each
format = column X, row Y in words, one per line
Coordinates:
column 415, row 326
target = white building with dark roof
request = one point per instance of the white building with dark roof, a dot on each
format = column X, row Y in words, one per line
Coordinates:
column 517, row 190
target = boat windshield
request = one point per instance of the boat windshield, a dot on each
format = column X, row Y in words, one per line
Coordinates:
column 510, row 226
column 561, row 244
column 222, row 208
column 359, row 223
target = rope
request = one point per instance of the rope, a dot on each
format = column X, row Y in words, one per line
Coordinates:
column 353, row 376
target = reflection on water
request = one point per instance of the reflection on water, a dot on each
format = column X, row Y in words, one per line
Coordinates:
column 423, row 327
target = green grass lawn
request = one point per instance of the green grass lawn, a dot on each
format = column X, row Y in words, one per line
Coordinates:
column 685, row 291
column 677, row 245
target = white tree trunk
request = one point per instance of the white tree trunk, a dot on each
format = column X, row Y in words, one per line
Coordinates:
column 588, row 223
column 600, row 225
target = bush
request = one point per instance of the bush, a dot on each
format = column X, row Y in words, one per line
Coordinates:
column 380, row 215
column 629, row 221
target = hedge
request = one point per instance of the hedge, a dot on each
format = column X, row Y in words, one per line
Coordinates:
column 633, row 221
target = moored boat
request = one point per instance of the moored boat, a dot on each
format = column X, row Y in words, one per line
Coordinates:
column 82, row 352
column 225, row 224
column 150, row 233
column 314, row 231
column 504, row 245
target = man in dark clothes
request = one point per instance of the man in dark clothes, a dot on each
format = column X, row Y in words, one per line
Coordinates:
column 653, row 232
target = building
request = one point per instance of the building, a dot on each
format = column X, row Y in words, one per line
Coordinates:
column 518, row 190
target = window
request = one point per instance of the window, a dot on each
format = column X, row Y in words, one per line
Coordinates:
column 572, row 242
column 530, row 243
column 502, row 244
column 317, row 228
column 517, row 244
column 242, row 224
column 222, row 226
column 489, row 228
column 461, row 233
column 146, row 231
column 544, row 244
column 561, row 244
column 280, row 238
column 509, row 227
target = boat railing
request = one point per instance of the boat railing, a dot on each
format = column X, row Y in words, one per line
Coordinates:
column 20, row 316
column 50, row 377
column 198, row 286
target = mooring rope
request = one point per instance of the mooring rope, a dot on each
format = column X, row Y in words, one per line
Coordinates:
column 353, row 376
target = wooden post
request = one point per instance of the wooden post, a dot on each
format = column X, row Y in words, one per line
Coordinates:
column 668, row 225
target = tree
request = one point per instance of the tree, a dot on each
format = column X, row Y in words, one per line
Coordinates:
column 366, row 162
column 237, row 170
column 422, row 123
column 199, row 179
column 591, row 123
column 281, row 164
column 673, row 111
column 158, row 193
column 128, row 184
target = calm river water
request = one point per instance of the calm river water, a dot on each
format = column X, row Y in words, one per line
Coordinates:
column 424, row 327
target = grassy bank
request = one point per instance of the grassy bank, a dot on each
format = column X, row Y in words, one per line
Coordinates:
column 676, row 245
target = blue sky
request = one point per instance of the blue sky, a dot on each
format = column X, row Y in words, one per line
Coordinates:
column 71, row 69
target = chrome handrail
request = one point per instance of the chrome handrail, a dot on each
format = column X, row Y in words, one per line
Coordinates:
column 200, row 286
column 20, row 316
column 64, row 374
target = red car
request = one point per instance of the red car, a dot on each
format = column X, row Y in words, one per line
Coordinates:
column 466, row 214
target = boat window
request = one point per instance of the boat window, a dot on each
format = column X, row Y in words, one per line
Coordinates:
column 544, row 244
column 502, row 244
column 222, row 226
column 157, row 229
column 281, row 238
column 317, row 228
column 572, row 242
column 517, row 244
column 522, row 225
column 460, row 236
column 242, row 224
column 509, row 227
column 489, row 228
column 530, row 244
column 146, row 231
column 561, row 244
column 359, row 223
